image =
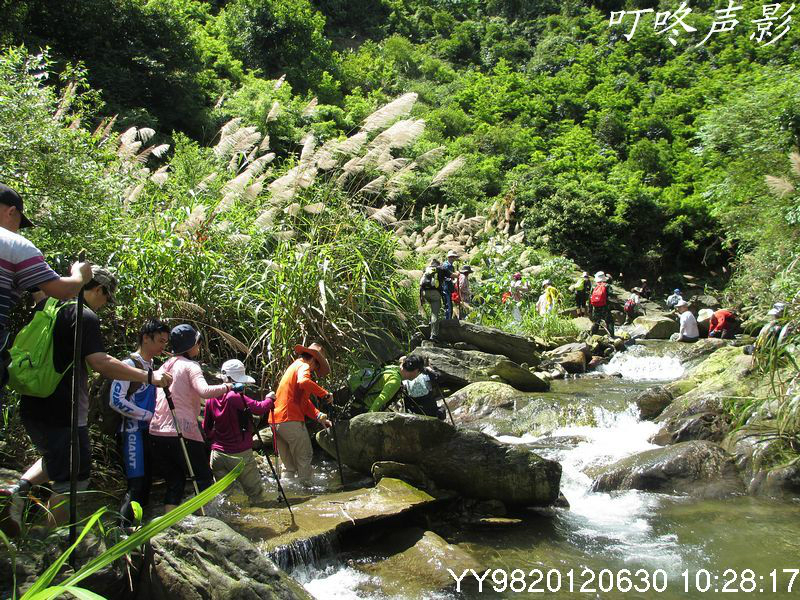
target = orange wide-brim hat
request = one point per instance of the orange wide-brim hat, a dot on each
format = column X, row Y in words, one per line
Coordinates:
column 318, row 353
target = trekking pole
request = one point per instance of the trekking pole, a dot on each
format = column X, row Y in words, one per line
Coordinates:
column 280, row 488
column 171, row 405
column 447, row 406
column 336, row 445
column 74, row 444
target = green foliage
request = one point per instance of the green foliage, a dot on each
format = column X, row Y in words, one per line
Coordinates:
column 277, row 37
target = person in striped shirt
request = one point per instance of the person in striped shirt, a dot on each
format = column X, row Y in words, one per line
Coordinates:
column 22, row 266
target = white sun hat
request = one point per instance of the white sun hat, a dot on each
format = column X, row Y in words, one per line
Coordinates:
column 600, row 276
column 234, row 369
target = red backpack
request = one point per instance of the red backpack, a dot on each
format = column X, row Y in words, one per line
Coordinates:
column 599, row 295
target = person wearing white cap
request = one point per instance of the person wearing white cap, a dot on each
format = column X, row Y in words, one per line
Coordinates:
column 448, row 286
column 229, row 427
column 601, row 311
column 688, row 329
column 769, row 333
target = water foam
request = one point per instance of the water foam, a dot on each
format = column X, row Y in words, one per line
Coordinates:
column 636, row 365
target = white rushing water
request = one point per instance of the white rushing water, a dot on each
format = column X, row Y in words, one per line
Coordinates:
column 637, row 365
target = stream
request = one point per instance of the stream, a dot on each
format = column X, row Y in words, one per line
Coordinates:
column 655, row 537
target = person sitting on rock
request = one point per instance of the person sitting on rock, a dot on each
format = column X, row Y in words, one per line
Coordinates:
column 770, row 332
column 674, row 298
column 723, row 325
column 422, row 393
column 374, row 389
column 644, row 289
column 688, row 329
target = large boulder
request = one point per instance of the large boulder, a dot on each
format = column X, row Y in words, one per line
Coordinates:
column 697, row 468
column 652, row 402
column 481, row 399
column 470, row 463
column 703, row 301
column 573, row 362
column 492, row 341
column 656, row 327
column 462, row 367
column 583, row 324
column 203, row 558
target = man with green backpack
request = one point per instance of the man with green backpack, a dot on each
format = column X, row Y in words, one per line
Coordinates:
column 372, row 389
column 41, row 370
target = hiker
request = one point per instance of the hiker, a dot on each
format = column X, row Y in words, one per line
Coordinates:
column 430, row 292
column 292, row 406
column 549, row 300
column 448, row 285
column 136, row 403
column 723, row 325
column 601, row 311
column 582, row 287
column 516, row 292
column 48, row 419
column 22, row 267
column 188, row 390
column 422, row 392
column 644, row 289
column 770, row 333
column 228, row 425
column 632, row 304
column 688, row 329
column 674, row 298
column 372, row 390
column 463, row 291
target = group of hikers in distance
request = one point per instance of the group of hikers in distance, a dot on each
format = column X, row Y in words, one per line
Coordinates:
column 155, row 412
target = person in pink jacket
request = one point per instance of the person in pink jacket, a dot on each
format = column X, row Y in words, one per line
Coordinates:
column 228, row 425
column 189, row 389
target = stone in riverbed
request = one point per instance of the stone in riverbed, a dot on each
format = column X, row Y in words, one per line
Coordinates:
column 487, row 339
column 697, row 468
column 652, row 402
column 656, row 327
column 470, row 463
column 203, row 558
column 459, row 368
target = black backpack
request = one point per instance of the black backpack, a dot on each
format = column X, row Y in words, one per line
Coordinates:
column 431, row 279
column 110, row 420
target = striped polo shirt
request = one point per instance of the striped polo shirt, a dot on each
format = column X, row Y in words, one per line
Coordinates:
column 22, row 267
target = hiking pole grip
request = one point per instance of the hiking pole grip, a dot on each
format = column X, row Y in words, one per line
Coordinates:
column 74, row 458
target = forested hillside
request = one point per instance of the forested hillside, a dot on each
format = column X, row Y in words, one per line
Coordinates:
column 631, row 155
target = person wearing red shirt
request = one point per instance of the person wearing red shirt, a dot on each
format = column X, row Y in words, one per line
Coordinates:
column 722, row 325
column 292, row 406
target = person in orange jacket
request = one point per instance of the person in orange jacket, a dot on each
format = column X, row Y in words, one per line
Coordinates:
column 292, row 406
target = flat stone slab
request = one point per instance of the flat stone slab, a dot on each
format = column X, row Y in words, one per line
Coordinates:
column 324, row 515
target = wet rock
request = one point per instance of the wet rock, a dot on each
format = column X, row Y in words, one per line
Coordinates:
column 652, row 402
column 697, row 468
column 459, row 368
column 203, row 558
column 656, row 327
column 470, row 463
column 759, row 462
column 583, row 323
column 703, row 301
column 693, row 417
column 411, row 474
column 464, row 346
column 572, row 357
column 724, row 371
column 569, row 349
column 418, row 564
column 498, row 522
column 487, row 339
column 482, row 399
column 596, row 362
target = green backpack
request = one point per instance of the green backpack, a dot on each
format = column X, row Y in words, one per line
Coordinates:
column 31, row 372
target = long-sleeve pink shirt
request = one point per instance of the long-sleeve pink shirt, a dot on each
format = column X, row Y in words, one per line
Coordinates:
column 189, row 389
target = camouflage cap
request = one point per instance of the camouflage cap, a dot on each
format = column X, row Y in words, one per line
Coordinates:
column 107, row 279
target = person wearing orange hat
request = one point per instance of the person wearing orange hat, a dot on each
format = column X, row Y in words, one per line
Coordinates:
column 292, row 406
